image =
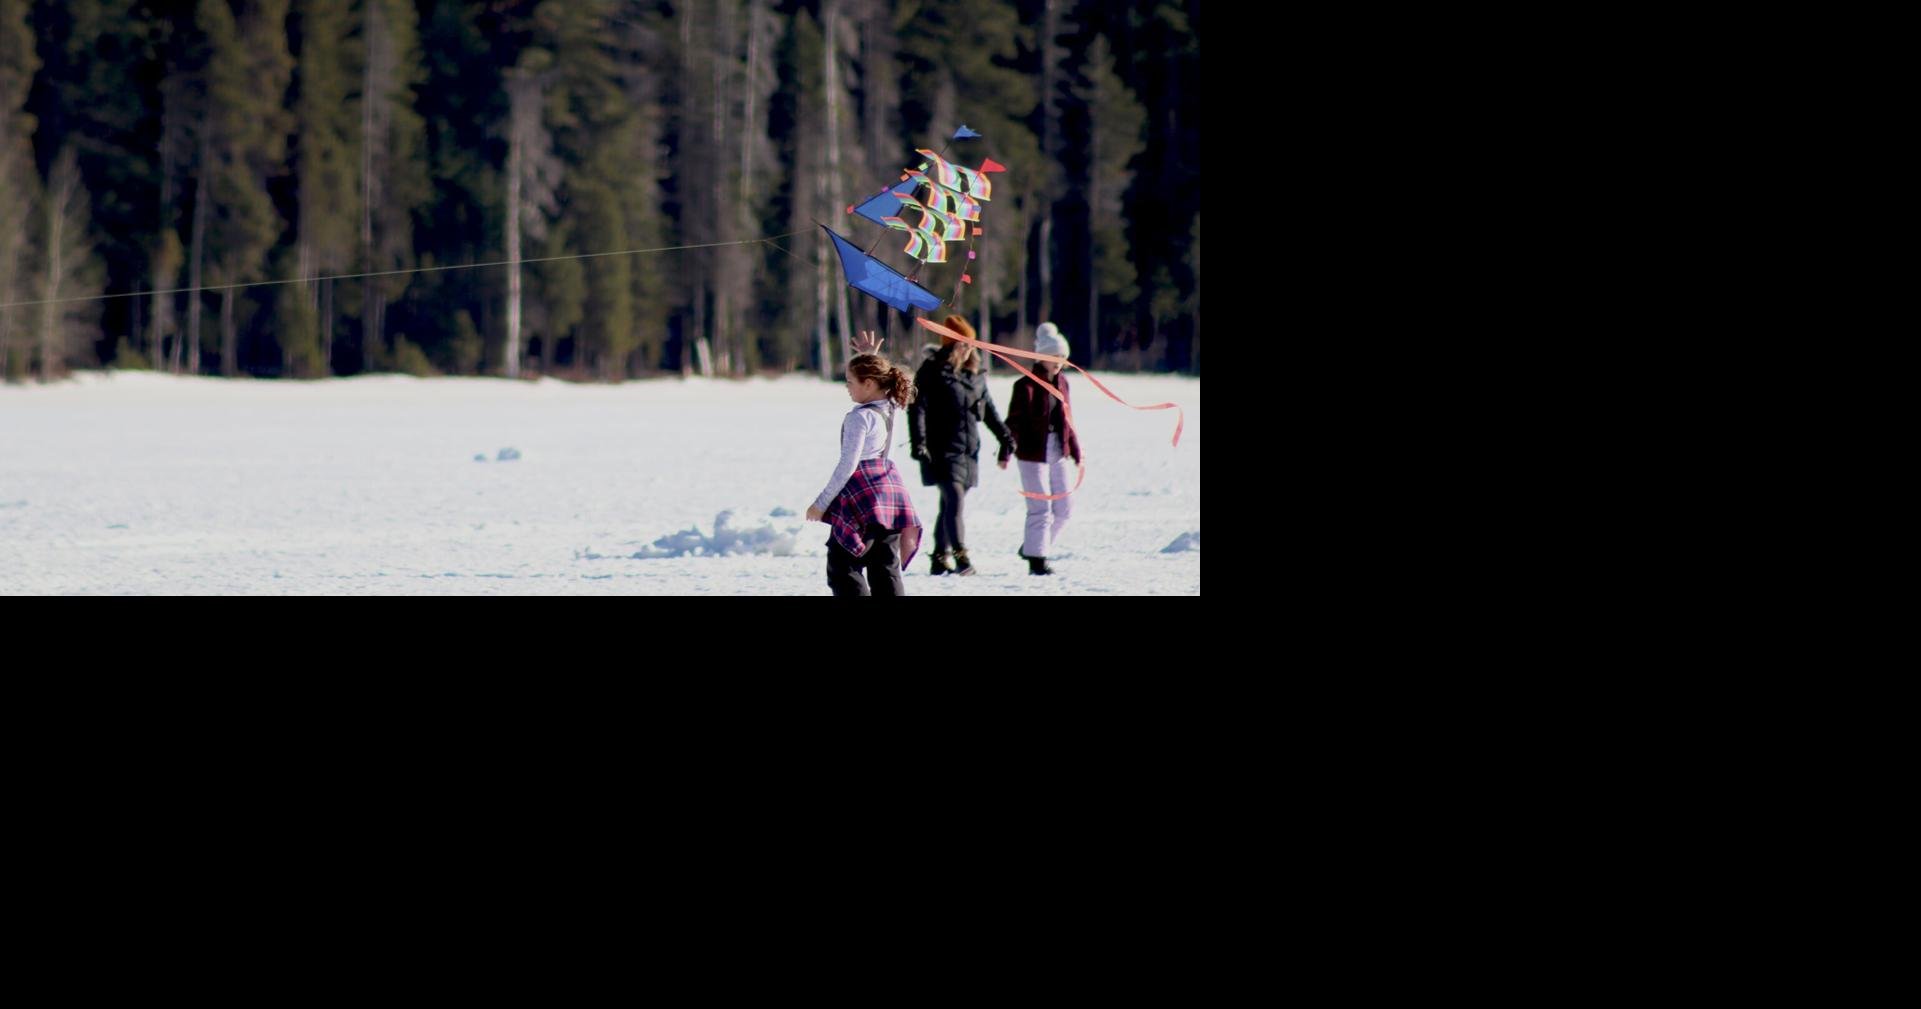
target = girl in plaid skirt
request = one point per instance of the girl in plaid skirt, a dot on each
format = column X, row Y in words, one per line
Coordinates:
column 875, row 532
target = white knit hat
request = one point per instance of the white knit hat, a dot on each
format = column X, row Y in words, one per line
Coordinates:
column 1048, row 340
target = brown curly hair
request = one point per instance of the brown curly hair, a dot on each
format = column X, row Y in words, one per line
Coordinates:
column 893, row 380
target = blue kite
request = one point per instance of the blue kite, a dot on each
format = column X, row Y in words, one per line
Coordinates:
column 872, row 277
column 950, row 211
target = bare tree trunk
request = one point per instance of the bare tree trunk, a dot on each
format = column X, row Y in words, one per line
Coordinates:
column 990, row 281
column 304, row 269
column 830, row 19
column 870, row 94
column 160, row 320
column 160, row 307
column 1093, row 258
column 514, row 159
column 1027, row 270
column 986, row 329
column 309, row 288
column 879, row 88
column 160, row 310
column 326, row 328
column 824, row 247
column 370, row 331
column 723, row 28
column 846, row 338
column 56, row 260
column 820, row 294
column 191, row 338
column 1046, row 255
column 229, row 341
column 749, row 133
column 703, row 353
column 1050, row 139
column 66, row 251
column 532, row 176
column 844, row 325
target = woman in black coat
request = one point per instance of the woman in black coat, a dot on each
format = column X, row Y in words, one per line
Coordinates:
column 950, row 401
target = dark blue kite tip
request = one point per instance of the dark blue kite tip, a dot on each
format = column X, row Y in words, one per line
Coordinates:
column 885, row 204
column 964, row 133
column 876, row 279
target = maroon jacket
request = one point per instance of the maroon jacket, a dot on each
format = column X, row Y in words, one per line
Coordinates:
column 1034, row 414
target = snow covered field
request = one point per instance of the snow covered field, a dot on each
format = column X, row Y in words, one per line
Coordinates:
column 118, row 483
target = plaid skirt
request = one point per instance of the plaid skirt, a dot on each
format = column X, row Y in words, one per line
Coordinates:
column 874, row 495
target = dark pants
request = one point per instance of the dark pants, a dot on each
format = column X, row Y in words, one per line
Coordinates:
column 949, row 534
column 848, row 575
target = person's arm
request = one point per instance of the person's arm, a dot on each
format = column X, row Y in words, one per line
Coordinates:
column 853, row 433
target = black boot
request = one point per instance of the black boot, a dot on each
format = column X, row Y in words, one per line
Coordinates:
column 962, row 566
column 1038, row 566
column 943, row 563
